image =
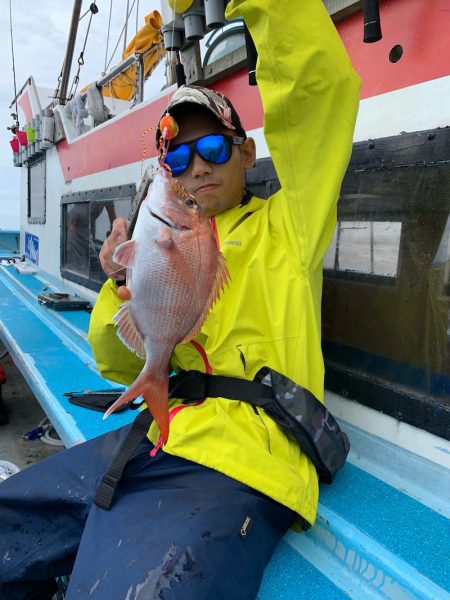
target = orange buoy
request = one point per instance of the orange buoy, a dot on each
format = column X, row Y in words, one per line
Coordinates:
column 169, row 127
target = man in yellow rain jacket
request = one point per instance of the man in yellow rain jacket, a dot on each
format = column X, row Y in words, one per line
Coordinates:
column 270, row 314
column 201, row 517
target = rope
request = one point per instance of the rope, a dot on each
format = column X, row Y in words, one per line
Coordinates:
column 126, row 26
column 56, row 94
column 43, row 433
column 163, row 143
column 144, row 146
column 120, row 37
column 93, row 8
column 47, row 438
column 83, row 15
column 13, row 62
column 76, row 79
column 13, row 250
column 107, row 39
column 137, row 17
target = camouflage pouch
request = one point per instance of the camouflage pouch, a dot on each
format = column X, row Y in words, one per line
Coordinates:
column 287, row 403
column 309, row 421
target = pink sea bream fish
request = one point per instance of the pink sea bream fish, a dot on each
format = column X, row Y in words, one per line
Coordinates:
column 175, row 273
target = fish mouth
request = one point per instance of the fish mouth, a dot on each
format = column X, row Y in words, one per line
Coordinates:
column 166, row 221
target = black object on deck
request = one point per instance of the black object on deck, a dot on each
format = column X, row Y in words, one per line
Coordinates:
column 60, row 301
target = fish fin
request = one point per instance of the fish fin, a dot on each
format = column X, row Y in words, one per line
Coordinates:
column 222, row 278
column 176, row 259
column 154, row 387
column 125, row 253
column 127, row 330
column 165, row 240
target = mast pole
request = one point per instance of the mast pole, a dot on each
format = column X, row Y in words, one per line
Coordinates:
column 69, row 51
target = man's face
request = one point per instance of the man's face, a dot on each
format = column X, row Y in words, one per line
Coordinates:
column 217, row 188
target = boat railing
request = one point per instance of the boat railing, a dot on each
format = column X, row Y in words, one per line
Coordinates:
column 91, row 107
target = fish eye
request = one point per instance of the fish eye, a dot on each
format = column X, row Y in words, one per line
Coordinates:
column 189, row 202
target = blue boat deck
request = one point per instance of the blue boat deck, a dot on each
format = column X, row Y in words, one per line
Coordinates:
column 383, row 528
column 51, row 350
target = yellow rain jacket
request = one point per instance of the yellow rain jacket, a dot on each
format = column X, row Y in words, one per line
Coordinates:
column 271, row 313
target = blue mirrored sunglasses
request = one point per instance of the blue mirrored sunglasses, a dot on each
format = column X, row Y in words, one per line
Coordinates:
column 214, row 148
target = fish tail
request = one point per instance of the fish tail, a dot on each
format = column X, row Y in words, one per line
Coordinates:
column 154, row 387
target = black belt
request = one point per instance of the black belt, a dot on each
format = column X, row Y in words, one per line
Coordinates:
column 106, row 489
column 316, row 430
column 195, row 385
column 190, row 386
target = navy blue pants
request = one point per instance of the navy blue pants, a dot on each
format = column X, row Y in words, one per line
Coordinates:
column 176, row 529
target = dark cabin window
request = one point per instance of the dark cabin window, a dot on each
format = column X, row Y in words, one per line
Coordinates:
column 364, row 249
column 87, row 219
column 386, row 293
column 386, row 297
column 36, row 197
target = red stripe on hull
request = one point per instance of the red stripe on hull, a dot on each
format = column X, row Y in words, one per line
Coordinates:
column 116, row 144
column 119, row 142
column 419, row 26
column 246, row 98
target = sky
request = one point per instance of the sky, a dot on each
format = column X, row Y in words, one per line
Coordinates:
column 40, row 31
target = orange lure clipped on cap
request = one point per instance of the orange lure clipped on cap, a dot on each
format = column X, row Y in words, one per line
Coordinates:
column 168, row 127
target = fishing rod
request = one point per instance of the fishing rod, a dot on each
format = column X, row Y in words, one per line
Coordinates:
column 372, row 33
column 372, row 26
column 252, row 56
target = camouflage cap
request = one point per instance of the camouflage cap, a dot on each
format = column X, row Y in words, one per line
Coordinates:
column 216, row 103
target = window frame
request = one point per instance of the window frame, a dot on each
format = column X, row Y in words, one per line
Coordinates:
column 32, row 163
column 113, row 193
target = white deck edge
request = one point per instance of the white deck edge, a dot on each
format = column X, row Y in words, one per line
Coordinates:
column 417, row 441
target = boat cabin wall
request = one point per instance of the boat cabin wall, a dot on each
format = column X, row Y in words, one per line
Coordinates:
column 387, row 272
column 386, row 297
column 42, row 182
